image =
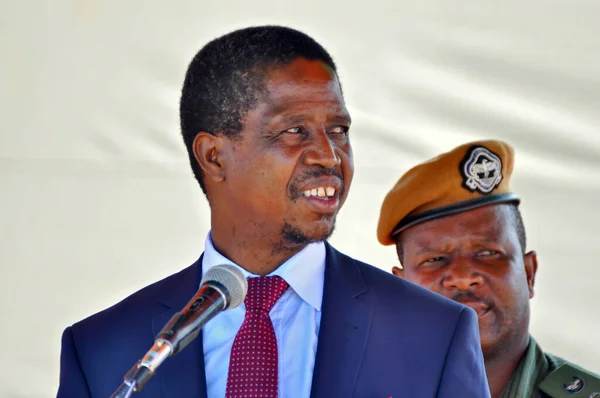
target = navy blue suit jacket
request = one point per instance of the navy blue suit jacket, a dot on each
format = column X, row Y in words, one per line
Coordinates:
column 380, row 336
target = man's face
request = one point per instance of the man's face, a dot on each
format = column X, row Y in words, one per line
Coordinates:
column 475, row 258
column 292, row 166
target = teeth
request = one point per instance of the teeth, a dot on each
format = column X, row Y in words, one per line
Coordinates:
column 321, row 192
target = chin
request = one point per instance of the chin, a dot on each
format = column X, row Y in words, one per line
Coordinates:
column 494, row 344
column 315, row 232
column 487, row 347
column 322, row 230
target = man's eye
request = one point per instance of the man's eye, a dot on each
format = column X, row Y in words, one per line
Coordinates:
column 485, row 253
column 432, row 261
column 294, row 130
column 339, row 130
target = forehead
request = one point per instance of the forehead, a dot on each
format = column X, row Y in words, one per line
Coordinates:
column 488, row 223
column 302, row 69
column 304, row 82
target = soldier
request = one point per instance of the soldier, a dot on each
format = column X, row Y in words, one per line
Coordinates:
column 458, row 231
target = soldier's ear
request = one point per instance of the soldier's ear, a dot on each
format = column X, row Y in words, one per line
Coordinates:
column 399, row 272
column 531, row 265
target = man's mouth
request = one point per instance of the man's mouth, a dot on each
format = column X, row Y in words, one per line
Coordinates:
column 481, row 305
column 480, row 308
column 320, row 192
column 318, row 184
column 323, row 199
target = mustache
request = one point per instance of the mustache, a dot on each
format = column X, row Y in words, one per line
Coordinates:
column 470, row 296
column 316, row 173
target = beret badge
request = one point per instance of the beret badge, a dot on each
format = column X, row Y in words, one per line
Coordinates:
column 481, row 170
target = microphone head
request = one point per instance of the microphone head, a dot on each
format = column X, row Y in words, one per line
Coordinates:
column 231, row 279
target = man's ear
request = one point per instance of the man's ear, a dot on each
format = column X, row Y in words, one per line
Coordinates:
column 208, row 153
column 399, row 272
column 531, row 265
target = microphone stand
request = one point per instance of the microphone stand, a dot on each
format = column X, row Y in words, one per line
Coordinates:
column 140, row 374
column 128, row 387
column 124, row 391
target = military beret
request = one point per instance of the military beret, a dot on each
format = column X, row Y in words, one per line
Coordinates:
column 470, row 176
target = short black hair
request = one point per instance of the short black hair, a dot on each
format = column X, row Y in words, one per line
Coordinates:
column 225, row 79
column 517, row 221
column 515, row 218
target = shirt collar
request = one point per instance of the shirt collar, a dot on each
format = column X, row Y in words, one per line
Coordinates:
column 528, row 373
column 304, row 272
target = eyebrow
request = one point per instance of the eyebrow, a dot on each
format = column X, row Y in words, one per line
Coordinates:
column 291, row 119
column 478, row 240
column 299, row 118
column 342, row 117
column 487, row 238
column 424, row 250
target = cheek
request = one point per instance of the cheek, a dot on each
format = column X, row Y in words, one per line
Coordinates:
column 349, row 170
column 427, row 280
column 347, row 164
column 269, row 173
column 254, row 186
column 270, row 187
column 511, row 285
column 347, row 156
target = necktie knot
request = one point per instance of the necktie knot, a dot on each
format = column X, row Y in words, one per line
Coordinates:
column 264, row 291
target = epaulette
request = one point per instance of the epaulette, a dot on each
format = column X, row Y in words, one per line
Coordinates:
column 572, row 382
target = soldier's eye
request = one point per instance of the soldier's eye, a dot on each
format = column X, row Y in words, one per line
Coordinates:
column 484, row 253
column 433, row 261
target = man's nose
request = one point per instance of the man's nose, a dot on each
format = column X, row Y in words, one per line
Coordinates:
column 462, row 276
column 322, row 152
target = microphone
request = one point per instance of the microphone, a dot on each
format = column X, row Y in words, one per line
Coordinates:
column 223, row 287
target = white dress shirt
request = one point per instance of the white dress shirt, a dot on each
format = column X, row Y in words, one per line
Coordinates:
column 296, row 319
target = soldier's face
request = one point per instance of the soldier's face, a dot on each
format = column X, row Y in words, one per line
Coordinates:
column 475, row 258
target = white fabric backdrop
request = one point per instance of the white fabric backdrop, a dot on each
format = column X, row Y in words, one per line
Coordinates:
column 96, row 199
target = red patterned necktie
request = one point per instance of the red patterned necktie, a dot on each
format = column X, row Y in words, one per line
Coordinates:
column 253, row 359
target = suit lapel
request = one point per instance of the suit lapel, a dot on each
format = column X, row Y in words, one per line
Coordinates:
column 345, row 324
column 182, row 375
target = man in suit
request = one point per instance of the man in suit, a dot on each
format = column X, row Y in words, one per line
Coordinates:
column 267, row 131
column 458, row 231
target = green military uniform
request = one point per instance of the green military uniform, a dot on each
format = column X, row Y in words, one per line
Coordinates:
column 542, row 375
